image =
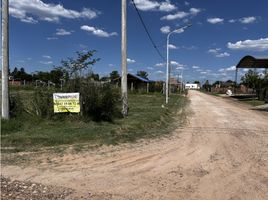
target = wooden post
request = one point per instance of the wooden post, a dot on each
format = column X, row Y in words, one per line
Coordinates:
column 147, row 89
column 132, row 88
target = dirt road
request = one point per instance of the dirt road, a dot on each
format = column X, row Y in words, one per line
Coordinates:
column 222, row 153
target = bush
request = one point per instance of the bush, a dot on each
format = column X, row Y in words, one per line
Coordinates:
column 99, row 102
column 15, row 105
column 42, row 103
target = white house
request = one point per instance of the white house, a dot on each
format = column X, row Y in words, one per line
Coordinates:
column 192, row 86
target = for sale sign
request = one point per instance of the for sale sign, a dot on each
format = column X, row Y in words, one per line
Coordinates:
column 66, row 102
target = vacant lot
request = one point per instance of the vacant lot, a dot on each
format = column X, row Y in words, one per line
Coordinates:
column 221, row 154
column 147, row 118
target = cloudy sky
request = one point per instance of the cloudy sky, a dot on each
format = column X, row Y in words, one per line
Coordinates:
column 43, row 32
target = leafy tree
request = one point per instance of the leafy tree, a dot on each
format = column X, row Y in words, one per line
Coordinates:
column 93, row 76
column 75, row 67
column 216, row 83
column 197, row 82
column 143, row 74
column 207, row 86
column 251, row 79
column 114, row 76
column 56, row 75
column 105, row 78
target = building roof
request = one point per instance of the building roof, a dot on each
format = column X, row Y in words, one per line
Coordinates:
column 252, row 62
column 140, row 78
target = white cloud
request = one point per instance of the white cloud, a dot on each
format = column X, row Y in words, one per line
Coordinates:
column 165, row 29
column 228, row 69
column 182, row 14
column 146, row 5
column 247, row 20
column 216, row 52
column 159, row 72
column 251, row 45
column 52, row 38
column 25, row 10
column 167, row 6
column 160, row 64
column 46, row 56
column 61, row 32
column 150, row 68
column 178, row 15
column 176, row 64
column 232, row 21
column 221, row 55
column 111, row 65
column 171, row 46
column 195, row 67
column 46, row 62
column 186, row 3
column 130, row 61
column 149, row 5
column 195, row 11
column 215, row 20
column 97, row 32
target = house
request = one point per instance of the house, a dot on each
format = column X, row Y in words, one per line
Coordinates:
column 138, row 83
column 192, row 86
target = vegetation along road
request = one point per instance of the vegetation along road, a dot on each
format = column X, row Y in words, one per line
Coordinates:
column 221, row 153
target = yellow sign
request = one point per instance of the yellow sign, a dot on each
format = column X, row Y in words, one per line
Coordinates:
column 66, row 102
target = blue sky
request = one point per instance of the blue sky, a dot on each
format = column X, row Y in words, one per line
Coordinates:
column 43, row 32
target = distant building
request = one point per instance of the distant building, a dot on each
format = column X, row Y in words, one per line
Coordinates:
column 192, row 86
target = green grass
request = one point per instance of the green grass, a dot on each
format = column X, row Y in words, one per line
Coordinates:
column 253, row 102
column 146, row 119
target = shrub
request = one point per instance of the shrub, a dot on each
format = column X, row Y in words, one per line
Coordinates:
column 42, row 103
column 16, row 106
column 99, row 102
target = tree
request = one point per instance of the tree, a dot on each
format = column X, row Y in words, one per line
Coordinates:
column 114, row 76
column 76, row 67
column 143, row 74
column 56, row 75
column 207, row 86
column 197, row 82
column 93, row 76
column 251, row 79
column 14, row 73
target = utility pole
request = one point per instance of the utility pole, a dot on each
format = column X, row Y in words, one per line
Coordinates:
column 124, row 58
column 5, row 60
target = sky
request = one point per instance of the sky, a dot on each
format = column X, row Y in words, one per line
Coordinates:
column 43, row 32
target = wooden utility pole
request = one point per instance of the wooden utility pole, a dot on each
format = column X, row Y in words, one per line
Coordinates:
column 124, row 58
column 5, row 60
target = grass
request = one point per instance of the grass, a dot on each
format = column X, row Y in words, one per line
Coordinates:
column 147, row 119
column 253, row 102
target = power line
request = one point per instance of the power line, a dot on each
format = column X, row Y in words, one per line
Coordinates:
column 146, row 30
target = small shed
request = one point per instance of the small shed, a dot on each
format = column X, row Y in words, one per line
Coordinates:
column 138, row 83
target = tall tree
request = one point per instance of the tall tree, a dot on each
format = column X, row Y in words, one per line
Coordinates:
column 114, row 76
column 251, row 79
column 5, row 59
column 143, row 74
column 75, row 67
